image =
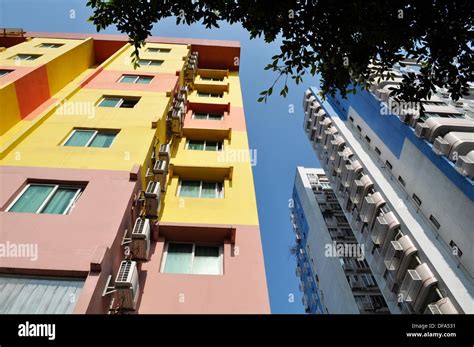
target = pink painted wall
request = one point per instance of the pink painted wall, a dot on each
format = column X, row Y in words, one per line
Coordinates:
column 241, row 289
column 234, row 117
column 69, row 245
column 108, row 79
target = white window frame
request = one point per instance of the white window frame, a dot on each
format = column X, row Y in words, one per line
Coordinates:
column 120, row 102
column 212, row 79
column 27, row 56
column 158, row 50
column 94, row 135
column 217, row 195
column 137, row 78
column 210, row 95
column 221, row 258
column 207, row 116
column 205, row 143
column 50, row 45
column 150, row 61
column 50, row 196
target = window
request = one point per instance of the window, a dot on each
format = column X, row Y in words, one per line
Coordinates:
column 401, row 180
column 4, row 72
column 200, row 189
column 150, row 62
column 417, row 199
column 38, row 295
column 90, row 138
column 367, row 139
column 369, row 281
column 203, row 145
column 377, row 150
column 49, row 45
column 111, row 101
column 351, row 119
column 210, row 95
column 213, row 79
column 359, row 128
column 46, row 198
column 190, row 258
column 26, row 56
column 435, row 222
column 136, row 79
column 208, row 116
column 158, row 50
column 389, row 165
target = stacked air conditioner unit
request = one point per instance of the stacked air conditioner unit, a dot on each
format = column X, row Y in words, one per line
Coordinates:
column 164, row 152
column 126, row 285
column 397, row 259
column 416, row 288
column 160, row 170
column 359, row 190
column 152, row 199
column 465, row 165
column 141, row 238
column 370, row 205
column 383, row 225
column 191, row 67
column 442, row 306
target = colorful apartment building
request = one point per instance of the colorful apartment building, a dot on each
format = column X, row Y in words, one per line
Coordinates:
column 117, row 190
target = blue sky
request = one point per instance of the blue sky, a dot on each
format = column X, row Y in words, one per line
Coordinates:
column 273, row 131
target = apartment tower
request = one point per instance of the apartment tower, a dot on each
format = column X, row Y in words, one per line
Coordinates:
column 117, row 194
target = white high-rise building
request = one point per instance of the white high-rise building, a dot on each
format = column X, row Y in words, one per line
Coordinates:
column 404, row 179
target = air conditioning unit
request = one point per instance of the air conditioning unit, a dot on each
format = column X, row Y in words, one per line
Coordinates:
column 126, row 284
column 165, row 150
column 356, row 191
column 442, row 306
column 422, row 130
column 161, row 167
column 140, row 246
column 152, row 199
column 465, row 165
column 441, row 146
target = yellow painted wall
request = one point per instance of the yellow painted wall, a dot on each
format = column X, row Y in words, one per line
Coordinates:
column 47, row 54
column 238, row 205
column 43, row 147
column 173, row 61
column 234, row 95
column 10, row 111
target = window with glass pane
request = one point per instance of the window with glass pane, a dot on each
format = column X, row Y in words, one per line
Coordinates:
column 158, row 50
column 213, row 146
column 208, row 190
column 215, row 116
column 207, row 260
column 196, row 145
column 46, row 198
column 50, row 45
column 123, row 102
column 190, row 189
column 200, row 115
column 110, row 102
column 136, row 79
column 26, row 56
column 188, row 258
column 150, row 62
column 80, row 138
column 90, row 138
column 4, row 72
column 179, row 258
column 102, row 140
